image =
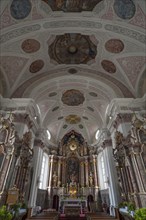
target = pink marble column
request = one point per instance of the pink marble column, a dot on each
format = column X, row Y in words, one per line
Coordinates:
column 82, row 173
column 87, row 171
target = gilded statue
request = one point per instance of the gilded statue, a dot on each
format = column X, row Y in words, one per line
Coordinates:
column 118, row 137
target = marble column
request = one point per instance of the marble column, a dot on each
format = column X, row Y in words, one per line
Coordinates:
column 59, row 171
column 82, row 173
column 114, row 191
column 87, row 171
column 63, row 171
column 51, row 171
column 95, row 170
column 37, row 162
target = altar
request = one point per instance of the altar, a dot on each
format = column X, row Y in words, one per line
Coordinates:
column 73, row 206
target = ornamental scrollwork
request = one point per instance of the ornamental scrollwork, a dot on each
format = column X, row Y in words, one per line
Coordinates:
column 7, row 134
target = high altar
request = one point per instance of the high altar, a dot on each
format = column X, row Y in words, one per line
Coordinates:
column 73, row 174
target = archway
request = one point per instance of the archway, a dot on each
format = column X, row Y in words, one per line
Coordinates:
column 90, row 200
column 55, row 202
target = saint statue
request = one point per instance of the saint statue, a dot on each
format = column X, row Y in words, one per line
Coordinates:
column 91, row 179
column 55, row 179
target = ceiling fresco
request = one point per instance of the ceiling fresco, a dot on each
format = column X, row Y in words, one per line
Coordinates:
column 73, row 97
column 20, row 9
column 72, row 5
column 124, row 9
column 108, row 66
column 72, row 49
column 30, row 46
column 114, row 46
column 36, row 66
column 72, row 64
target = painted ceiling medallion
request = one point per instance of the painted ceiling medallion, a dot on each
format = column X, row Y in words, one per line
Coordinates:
column 51, row 94
column 20, row 9
column 84, row 117
column 93, row 94
column 55, row 108
column 36, row 66
column 114, row 45
column 30, row 46
column 72, row 119
column 124, row 9
column 61, row 117
column 73, row 97
column 108, row 66
column 72, row 49
column 65, row 126
column 81, row 126
column 72, row 71
column 72, row 5
column 90, row 108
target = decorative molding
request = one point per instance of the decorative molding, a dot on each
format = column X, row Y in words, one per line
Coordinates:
column 126, row 32
column 19, row 32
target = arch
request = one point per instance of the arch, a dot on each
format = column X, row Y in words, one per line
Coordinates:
column 141, row 88
column 90, row 200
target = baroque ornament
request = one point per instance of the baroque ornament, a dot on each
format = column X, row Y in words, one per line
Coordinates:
column 73, row 119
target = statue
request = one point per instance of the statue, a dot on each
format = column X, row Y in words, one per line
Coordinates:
column 91, row 179
column 55, row 179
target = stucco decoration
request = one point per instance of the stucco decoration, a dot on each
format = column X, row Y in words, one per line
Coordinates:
column 73, row 97
column 114, row 45
column 132, row 66
column 124, row 9
column 72, row 119
column 30, row 46
column 13, row 65
column 36, row 66
column 142, row 85
column 72, row 5
column 72, row 49
column 20, row 9
column 139, row 19
column 108, row 66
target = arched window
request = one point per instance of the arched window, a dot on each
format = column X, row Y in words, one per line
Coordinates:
column 44, row 173
column 102, row 173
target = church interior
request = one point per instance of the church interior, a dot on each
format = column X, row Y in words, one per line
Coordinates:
column 72, row 109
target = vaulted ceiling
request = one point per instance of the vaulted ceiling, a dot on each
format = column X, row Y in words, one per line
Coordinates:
column 73, row 57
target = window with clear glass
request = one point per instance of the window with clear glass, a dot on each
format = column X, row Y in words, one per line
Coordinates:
column 44, row 173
